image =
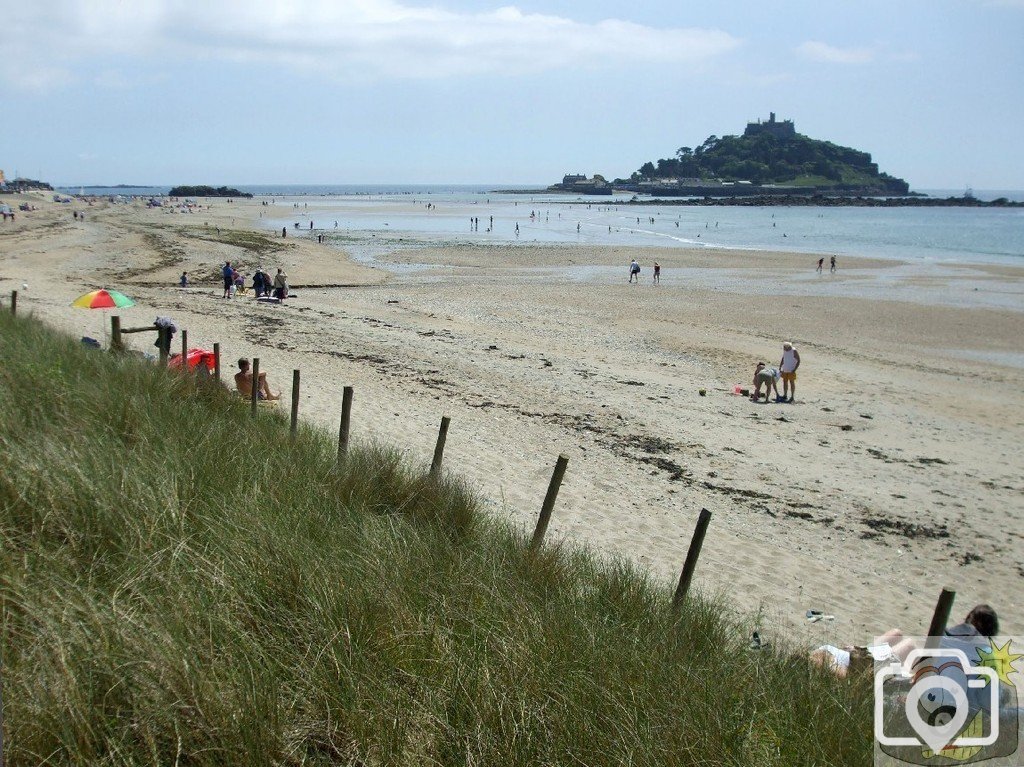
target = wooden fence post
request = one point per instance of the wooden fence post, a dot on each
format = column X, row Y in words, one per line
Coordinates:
column 346, row 416
column 14, row 302
column 1, row 712
column 940, row 618
column 295, row 404
column 115, row 333
column 691, row 559
column 254, row 394
column 549, row 501
column 216, row 360
column 184, row 350
column 164, row 337
column 442, row 436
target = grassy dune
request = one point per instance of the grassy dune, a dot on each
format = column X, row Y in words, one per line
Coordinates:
column 182, row 585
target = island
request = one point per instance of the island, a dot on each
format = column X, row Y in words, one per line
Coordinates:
column 770, row 158
column 578, row 183
column 770, row 164
column 206, row 191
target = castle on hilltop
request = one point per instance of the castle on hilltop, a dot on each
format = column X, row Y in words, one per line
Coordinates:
column 784, row 129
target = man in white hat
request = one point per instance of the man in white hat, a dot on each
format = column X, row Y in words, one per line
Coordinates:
column 787, row 366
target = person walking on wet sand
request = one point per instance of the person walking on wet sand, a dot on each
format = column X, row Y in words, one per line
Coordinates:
column 788, row 365
column 821, row 263
column 657, row 273
column 833, row 265
column 634, row 271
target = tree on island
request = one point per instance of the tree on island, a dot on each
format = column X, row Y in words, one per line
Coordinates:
column 206, row 191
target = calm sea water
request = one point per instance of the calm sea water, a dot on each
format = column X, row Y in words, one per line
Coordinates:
column 935, row 234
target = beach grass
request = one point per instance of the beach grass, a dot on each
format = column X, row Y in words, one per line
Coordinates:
column 181, row 584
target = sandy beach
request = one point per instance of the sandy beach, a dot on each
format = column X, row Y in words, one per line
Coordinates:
column 897, row 472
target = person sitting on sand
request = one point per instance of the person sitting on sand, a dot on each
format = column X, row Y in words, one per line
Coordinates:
column 767, row 377
column 243, row 382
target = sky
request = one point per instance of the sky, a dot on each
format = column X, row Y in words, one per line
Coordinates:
column 466, row 91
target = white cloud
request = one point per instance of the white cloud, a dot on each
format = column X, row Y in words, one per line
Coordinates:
column 354, row 39
column 818, row 51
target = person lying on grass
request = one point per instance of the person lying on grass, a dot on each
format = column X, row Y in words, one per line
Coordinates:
column 243, row 381
column 980, row 625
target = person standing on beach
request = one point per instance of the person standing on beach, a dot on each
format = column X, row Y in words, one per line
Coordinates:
column 787, row 365
column 184, row 280
column 229, row 279
column 634, row 271
column 821, row 263
column 833, row 265
column 281, row 285
column 657, row 273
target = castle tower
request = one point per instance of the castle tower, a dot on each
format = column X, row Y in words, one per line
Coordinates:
column 782, row 130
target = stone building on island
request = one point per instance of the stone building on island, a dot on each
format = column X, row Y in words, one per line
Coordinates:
column 783, row 130
column 580, row 184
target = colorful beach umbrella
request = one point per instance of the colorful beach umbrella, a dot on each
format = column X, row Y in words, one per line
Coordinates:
column 103, row 299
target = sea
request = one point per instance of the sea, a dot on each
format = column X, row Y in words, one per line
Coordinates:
column 440, row 211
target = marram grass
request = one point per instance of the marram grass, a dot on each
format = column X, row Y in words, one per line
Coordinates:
column 181, row 585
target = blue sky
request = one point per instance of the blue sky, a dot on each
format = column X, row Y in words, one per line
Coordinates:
column 464, row 91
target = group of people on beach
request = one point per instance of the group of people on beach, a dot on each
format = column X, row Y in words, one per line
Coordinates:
column 262, row 284
column 634, row 272
column 768, row 376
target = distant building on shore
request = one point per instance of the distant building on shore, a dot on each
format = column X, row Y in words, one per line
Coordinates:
column 580, row 184
column 784, row 129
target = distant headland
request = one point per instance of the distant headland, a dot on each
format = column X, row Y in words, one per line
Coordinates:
column 206, row 191
column 769, row 164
